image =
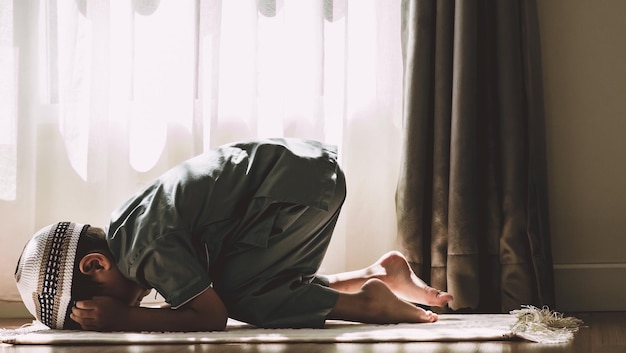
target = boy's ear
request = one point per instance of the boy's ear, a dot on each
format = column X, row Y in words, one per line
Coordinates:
column 93, row 262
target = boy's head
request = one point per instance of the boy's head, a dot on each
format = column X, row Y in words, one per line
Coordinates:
column 66, row 262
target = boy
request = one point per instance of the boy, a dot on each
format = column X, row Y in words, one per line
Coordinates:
column 237, row 232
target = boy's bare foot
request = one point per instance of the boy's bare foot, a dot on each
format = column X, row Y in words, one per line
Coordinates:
column 393, row 269
column 376, row 303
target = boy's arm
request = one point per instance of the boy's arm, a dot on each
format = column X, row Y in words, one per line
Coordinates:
column 206, row 312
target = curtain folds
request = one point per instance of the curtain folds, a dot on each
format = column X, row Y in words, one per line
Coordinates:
column 471, row 199
column 99, row 97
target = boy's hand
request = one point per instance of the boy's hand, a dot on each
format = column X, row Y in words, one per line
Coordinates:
column 100, row 314
column 206, row 312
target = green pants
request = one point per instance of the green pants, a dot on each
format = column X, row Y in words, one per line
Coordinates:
column 276, row 284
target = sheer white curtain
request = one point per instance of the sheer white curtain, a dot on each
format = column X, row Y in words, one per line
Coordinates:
column 98, row 97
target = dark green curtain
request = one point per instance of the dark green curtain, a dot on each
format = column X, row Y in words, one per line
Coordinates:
column 472, row 198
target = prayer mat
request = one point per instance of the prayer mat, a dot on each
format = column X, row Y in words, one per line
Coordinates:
column 449, row 327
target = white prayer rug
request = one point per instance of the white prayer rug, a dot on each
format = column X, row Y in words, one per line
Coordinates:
column 449, row 327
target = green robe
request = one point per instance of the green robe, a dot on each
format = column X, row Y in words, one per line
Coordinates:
column 239, row 218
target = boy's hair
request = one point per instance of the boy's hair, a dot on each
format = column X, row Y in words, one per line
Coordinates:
column 93, row 240
column 83, row 287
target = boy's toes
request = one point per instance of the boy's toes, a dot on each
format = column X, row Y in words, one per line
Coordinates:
column 438, row 297
column 429, row 316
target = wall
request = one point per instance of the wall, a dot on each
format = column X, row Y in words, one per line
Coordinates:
column 584, row 62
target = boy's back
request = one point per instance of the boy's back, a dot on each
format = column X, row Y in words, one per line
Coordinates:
column 170, row 234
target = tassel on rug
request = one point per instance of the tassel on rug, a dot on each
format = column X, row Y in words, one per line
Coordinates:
column 544, row 325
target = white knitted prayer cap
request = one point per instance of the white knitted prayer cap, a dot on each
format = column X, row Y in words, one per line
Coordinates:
column 44, row 272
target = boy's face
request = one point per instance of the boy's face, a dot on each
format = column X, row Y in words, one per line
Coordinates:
column 122, row 289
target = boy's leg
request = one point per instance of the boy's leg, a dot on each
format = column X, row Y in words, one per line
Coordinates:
column 276, row 285
column 394, row 270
